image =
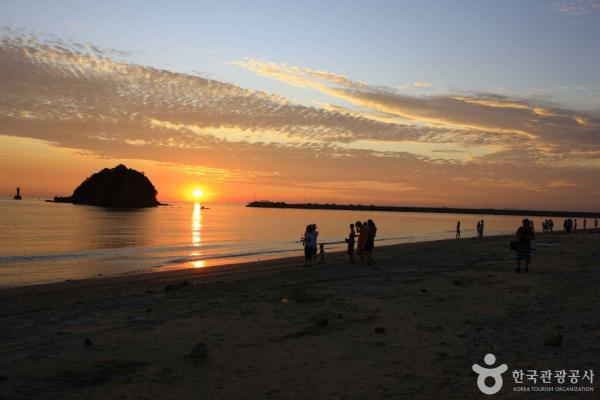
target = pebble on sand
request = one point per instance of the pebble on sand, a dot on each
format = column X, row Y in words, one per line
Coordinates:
column 199, row 351
column 88, row 342
column 323, row 322
column 554, row 340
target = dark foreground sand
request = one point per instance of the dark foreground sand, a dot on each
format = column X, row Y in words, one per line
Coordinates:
column 443, row 306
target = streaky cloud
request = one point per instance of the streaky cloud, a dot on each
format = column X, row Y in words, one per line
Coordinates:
column 368, row 138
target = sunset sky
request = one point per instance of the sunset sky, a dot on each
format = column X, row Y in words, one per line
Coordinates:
column 433, row 103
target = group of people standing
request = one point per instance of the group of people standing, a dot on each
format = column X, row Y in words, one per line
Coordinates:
column 367, row 231
column 480, row 226
column 571, row 224
column 548, row 225
column 309, row 239
column 361, row 233
column 526, row 234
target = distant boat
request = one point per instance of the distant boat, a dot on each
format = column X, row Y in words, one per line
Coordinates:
column 18, row 195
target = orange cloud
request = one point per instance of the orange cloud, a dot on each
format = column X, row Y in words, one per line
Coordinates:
column 389, row 148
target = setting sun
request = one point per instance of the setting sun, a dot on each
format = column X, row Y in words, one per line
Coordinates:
column 197, row 193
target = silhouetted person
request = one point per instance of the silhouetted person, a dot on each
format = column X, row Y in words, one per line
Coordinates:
column 308, row 240
column 568, row 225
column 316, row 234
column 525, row 234
column 575, row 225
column 18, row 195
column 596, row 223
column 458, row 230
column 350, row 240
column 370, row 241
column 482, row 226
column 584, row 223
column 322, row 254
column 360, row 243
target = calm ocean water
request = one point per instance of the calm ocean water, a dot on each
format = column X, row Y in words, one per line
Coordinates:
column 43, row 242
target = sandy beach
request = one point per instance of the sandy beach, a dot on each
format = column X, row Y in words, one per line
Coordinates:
column 410, row 326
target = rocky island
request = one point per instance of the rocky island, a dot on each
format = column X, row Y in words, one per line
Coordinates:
column 118, row 187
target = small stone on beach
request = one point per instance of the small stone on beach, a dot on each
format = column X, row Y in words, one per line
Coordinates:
column 379, row 329
column 554, row 340
column 87, row 342
column 199, row 351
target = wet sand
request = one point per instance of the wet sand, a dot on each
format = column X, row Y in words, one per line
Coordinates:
column 410, row 326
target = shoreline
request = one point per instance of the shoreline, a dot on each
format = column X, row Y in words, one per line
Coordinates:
column 228, row 267
column 173, row 272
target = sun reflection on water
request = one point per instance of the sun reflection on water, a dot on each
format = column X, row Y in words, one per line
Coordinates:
column 196, row 233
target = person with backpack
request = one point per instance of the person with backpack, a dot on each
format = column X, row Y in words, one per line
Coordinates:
column 525, row 234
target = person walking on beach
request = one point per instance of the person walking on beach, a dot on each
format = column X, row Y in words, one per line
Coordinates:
column 575, row 225
column 350, row 241
column 360, row 244
column 481, row 234
column 525, row 234
column 596, row 223
column 370, row 240
column 458, row 230
column 584, row 223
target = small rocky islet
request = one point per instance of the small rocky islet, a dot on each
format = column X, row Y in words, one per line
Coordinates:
column 118, row 187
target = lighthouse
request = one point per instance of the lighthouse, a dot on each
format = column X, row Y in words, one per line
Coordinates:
column 18, row 195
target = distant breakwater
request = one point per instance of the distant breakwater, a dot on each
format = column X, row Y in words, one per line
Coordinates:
column 445, row 210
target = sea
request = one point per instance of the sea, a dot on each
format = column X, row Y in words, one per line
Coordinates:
column 44, row 242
